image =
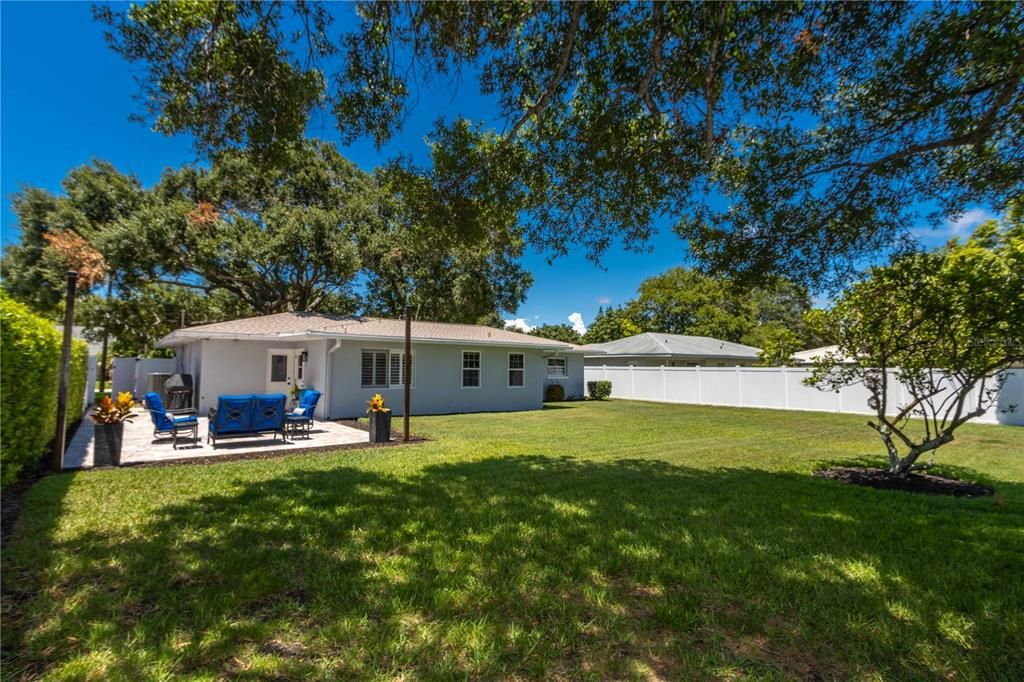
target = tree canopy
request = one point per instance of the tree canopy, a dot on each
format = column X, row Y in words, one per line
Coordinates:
column 58, row 232
column 779, row 137
column 685, row 301
column 942, row 323
column 557, row 332
column 277, row 237
column 308, row 232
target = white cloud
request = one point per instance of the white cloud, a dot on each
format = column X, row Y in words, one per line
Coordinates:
column 518, row 324
column 577, row 323
column 961, row 226
column 604, row 300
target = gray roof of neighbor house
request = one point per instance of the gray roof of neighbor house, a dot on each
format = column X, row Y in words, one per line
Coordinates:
column 300, row 326
column 671, row 345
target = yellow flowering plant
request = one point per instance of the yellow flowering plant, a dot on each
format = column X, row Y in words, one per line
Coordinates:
column 114, row 411
column 376, row 404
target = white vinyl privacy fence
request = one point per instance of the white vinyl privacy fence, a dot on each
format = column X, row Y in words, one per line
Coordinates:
column 129, row 374
column 780, row 388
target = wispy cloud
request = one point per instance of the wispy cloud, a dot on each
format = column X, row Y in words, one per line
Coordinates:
column 577, row 323
column 604, row 300
column 519, row 324
column 961, row 226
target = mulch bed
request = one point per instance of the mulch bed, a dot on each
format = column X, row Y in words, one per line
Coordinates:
column 912, row 483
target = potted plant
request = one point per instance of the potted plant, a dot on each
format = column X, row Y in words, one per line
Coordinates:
column 294, row 392
column 380, row 420
column 110, row 416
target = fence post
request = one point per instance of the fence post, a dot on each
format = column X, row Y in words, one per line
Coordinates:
column 632, row 383
column 739, row 387
column 664, row 390
column 785, row 388
column 700, row 387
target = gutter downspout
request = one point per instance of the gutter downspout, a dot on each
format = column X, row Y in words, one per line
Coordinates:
column 327, row 380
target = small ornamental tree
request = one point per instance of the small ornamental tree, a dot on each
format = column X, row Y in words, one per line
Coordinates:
column 945, row 324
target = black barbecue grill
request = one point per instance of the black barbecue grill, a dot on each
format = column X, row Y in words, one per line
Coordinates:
column 178, row 389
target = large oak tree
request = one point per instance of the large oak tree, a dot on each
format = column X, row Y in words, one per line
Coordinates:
column 779, row 137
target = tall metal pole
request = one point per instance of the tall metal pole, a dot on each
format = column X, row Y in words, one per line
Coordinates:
column 407, row 374
column 65, row 374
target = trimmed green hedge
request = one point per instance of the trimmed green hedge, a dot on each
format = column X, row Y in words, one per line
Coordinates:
column 599, row 390
column 29, row 379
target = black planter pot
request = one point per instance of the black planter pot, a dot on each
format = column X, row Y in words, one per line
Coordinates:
column 380, row 427
column 107, row 440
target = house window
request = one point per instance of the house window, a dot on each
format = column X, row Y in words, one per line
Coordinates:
column 556, row 367
column 397, row 374
column 516, row 370
column 375, row 368
column 470, row 369
column 278, row 368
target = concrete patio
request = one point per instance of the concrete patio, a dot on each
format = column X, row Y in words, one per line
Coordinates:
column 140, row 447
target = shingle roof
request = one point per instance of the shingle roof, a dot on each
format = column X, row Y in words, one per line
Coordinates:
column 653, row 343
column 282, row 325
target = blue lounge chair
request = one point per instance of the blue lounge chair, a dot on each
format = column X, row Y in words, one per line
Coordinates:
column 301, row 418
column 165, row 422
column 246, row 415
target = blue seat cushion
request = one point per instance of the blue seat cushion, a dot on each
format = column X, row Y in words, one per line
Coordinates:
column 190, row 419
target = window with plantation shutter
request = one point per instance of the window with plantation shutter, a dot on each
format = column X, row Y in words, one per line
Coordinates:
column 375, row 369
column 397, row 374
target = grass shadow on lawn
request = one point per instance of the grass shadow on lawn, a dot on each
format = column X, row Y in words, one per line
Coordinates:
column 538, row 567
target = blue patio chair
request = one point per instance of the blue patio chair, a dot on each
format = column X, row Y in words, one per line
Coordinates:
column 301, row 418
column 165, row 422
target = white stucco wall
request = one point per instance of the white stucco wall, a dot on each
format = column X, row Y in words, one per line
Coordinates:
column 240, row 367
column 223, row 367
column 437, row 382
column 573, row 383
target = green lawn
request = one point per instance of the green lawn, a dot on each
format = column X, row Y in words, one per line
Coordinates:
column 590, row 540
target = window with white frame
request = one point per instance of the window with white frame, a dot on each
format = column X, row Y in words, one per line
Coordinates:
column 556, row 367
column 516, row 370
column 375, row 369
column 397, row 369
column 470, row 369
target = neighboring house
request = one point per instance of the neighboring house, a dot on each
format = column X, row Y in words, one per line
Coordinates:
column 808, row 357
column 455, row 367
column 669, row 350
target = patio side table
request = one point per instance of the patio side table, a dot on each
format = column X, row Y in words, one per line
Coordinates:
column 190, row 430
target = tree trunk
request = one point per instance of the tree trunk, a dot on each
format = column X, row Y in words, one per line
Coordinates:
column 902, row 467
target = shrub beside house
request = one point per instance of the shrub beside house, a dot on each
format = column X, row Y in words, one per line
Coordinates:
column 30, row 350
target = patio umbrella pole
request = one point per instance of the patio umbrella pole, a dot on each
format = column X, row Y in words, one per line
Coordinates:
column 65, row 373
column 407, row 372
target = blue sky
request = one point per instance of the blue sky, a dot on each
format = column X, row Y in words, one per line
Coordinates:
column 66, row 99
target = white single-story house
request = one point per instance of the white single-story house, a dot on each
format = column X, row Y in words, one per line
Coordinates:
column 455, row 367
column 653, row 349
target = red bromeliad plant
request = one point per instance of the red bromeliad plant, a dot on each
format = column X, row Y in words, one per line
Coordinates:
column 114, row 411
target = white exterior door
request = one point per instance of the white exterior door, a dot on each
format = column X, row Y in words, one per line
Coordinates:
column 280, row 370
